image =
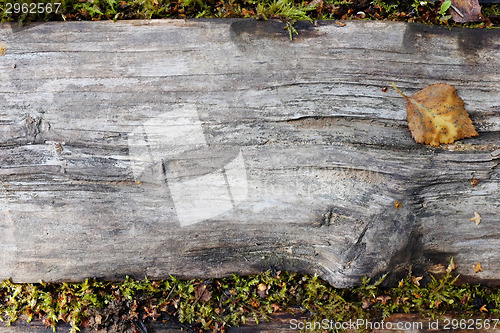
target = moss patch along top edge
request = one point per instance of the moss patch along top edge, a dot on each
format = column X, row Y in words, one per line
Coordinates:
column 289, row 11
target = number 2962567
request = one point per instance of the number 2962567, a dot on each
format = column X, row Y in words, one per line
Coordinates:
column 32, row 8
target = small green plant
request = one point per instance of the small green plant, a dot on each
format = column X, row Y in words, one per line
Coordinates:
column 492, row 10
column 417, row 4
column 387, row 6
column 444, row 17
column 444, row 7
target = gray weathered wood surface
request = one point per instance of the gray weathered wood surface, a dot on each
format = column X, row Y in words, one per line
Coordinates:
column 201, row 148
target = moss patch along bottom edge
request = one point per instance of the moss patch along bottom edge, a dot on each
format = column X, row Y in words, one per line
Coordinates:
column 214, row 305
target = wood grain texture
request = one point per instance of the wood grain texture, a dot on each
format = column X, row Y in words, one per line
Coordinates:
column 200, row 148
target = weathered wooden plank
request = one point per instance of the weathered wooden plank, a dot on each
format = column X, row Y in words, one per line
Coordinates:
column 202, row 148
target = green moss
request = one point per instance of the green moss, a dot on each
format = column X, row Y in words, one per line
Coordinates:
column 285, row 10
column 288, row 11
column 211, row 305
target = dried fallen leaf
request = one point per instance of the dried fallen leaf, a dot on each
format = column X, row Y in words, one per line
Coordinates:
column 401, row 300
column 254, row 303
column 275, row 307
column 151, row 312
column 477, row 268
column 133, row 313
column 383, row 299
column 474, row 182
column 367, row 303
column 263, row 290
column 202, row 293
column 416, row 280
column 477, row 218
column 48, row 322
column 315, row 3
column 437, row 269
column 465, row 11
column 3, row 49
column 436, row 115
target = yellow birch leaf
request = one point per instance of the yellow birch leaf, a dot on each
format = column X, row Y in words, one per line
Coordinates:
column 436, row 115
column 477, row 268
